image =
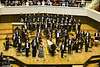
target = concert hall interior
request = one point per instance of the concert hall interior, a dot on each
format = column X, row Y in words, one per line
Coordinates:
column 54, row 33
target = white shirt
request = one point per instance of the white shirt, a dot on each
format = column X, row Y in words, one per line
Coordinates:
column 14, row 37
column 19, row 40
column 39, row 30
column 27, row 45
column 57, row 34
column 96, row 34
column 62, row 47
column 87, row 34
column 69, row 41
column 25, row 27
column 37, row 39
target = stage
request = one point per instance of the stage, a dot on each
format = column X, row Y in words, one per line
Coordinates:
column 74, row 58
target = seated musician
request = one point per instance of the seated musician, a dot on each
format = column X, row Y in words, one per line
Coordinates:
column 88, row 34
column 96, row 38
column 17, row 33
column 53, row 48
column 77, row 34
column 50, row 36
column 82, row 33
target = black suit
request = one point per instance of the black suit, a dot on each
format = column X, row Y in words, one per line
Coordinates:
column 79, row 25
column 53, row 47
column 27, row 48
column 62, row 50
column 69, row 46
column 96, row 36
column 86, row 44
column 19, row 44
column 77, row 34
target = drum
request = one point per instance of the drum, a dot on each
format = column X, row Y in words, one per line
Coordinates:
column 96, row 41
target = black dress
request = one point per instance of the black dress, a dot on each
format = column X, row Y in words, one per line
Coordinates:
column 33, row 50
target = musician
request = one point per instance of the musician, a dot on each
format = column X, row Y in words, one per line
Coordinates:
column 33, row 25
column 14, row 40
column 79, row 25
column 63, row 17
column 69, row 45
column 23, row 33
column 62, row 48
column 77, row 34
column 57, row 26
column 61, row 24
column 26, row 21
column 74, row 41
column 34, row 40
column 38, row 34
column 17, row 33
column 96, row 36
column 21, row 16
column 46, row 25
column 38, row 16
column 37, row 41
column 87, row 44
column 66, row 24
column 26, row 38
column 69, row 25
column 66, row 35
column 34, row 17
column 88, row 34
column 26, row 17
column 42, row 24
column 67, row 17
column 39, row 30
column 29, row 17
column 7, row 42
column 19, row 43
column 25, row 26
column 51, row 18
column 72, row 20
column 58, row 18
column 53, row 24
column 27, row 46
column 42, row 18
column 38, row 22
column 47, row 17
column 33, row 49
column 48, row 31
column 57, row 38
column 55, row 18
column 76, row 44
column 53, row 48
column 49, row 23
column 74, row 25
column 82, row 41
column 82, row 33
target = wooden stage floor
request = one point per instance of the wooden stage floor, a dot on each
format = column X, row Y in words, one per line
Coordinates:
column 74, row 58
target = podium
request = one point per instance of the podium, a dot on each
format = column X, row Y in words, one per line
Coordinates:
column 17, row 26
